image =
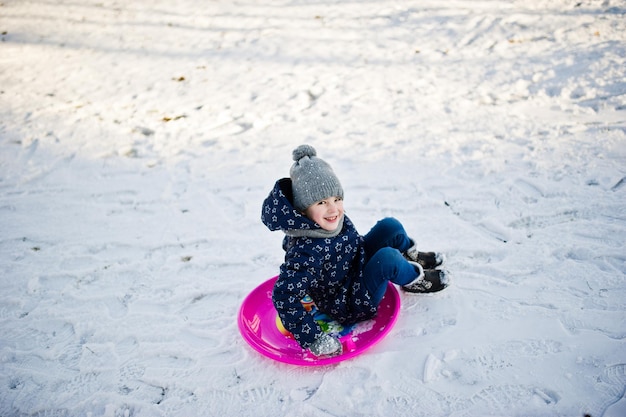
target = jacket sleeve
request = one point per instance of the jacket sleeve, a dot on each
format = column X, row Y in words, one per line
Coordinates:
column 290, row 288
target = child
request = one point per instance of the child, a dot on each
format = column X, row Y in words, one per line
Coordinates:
column 345, row 274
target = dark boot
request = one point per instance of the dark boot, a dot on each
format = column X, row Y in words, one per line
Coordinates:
column 428, row 260
column 429, row 280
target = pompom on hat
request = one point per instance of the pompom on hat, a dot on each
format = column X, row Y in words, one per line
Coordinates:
column 312, row 179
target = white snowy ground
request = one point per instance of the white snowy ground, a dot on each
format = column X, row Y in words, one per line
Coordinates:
column 139, row 138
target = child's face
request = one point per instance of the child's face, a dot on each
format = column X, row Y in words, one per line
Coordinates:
column 326, row 213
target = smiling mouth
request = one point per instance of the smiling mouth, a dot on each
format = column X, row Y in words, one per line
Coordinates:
column 331, row 219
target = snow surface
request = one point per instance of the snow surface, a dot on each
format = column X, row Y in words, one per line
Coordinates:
column 139, row 138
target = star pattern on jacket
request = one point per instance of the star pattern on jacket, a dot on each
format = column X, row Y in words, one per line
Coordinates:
column 328, row 269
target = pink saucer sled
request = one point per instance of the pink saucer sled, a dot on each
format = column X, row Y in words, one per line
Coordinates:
column 259, row 327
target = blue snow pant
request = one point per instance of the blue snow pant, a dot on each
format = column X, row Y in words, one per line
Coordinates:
column 384, row 246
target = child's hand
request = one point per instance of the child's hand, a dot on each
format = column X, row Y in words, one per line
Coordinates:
column 326, row 345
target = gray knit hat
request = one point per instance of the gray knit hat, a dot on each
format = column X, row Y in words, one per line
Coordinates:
column 312, row 179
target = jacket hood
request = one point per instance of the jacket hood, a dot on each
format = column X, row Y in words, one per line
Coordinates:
column 279, row 213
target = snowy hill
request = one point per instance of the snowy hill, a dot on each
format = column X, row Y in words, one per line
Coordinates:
column 138, row 140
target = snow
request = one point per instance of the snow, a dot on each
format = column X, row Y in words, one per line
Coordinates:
column 138, row 140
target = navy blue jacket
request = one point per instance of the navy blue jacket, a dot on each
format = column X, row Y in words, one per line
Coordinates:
column 328, row 269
